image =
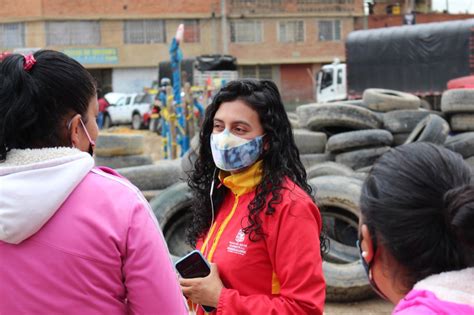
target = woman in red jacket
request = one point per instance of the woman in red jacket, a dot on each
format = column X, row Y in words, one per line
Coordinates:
column 263, row 239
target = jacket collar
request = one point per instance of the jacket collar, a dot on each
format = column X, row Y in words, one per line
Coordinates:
column 453, row 286
column 245, row 181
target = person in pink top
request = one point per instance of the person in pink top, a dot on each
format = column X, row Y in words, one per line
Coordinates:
column 74, row 239
column 417, row 230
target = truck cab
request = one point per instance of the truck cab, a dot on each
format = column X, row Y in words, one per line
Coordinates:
column 332, row 85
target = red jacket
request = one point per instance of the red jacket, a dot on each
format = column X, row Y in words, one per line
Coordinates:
column 280, row 274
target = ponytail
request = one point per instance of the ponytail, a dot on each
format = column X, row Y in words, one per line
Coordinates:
column 37, row 93
column 459, row 207
column 418, row 202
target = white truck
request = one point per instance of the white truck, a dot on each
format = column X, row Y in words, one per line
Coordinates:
column 418, row 59
column 131, row 109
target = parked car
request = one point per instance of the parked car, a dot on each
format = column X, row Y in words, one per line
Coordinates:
column 128, row 109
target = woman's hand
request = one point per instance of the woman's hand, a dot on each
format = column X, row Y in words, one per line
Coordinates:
column 204, row 291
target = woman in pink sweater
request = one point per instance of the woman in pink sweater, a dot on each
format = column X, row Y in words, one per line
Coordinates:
column 417, row 230
column 74, row 239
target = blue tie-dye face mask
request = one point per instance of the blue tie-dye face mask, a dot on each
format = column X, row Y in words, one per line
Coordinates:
column 232, row 153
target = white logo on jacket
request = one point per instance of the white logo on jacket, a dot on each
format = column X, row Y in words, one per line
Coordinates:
column 238, row 247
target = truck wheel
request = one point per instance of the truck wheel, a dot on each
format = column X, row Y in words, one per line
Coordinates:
column 462, row 143
column 338, row 199
column 137, row 121
column 172, row 209
column 458, row 100
column 107, row 121
column 355, row 140
column 462, row 122
column 361, row 158
column 402, row 121
column 383, row 100
column 154, row 177
column 309, row 141
column 110, row 144
column 328, row 168
column 335, row 117
column 123, row 161
column 432, row 129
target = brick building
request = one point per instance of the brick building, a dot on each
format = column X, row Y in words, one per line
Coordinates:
column 122, row 41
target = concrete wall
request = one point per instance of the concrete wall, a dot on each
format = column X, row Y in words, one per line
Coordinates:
column 133, row 80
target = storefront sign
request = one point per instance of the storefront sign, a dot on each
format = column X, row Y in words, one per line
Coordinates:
column 93, row 55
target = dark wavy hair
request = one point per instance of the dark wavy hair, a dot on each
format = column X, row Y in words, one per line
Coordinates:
column 418, row 203
column 34, row 103
column 280, row 159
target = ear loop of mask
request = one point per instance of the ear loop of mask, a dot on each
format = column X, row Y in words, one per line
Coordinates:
column 211, row 192
column 85, row 130
column 92, row 142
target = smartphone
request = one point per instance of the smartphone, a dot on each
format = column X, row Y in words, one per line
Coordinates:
column 194, row 265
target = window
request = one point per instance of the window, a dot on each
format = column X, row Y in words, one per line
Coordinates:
column 257, row 72
column 329, row 30
column 291, row 31
column 73, row 33
column 12, row 35
column 144, row 32
column 246, row 32
column 192, row 32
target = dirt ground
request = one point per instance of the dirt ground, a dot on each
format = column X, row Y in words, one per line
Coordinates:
column 374, row 306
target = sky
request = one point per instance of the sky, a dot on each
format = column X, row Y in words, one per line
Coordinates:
column 455, row 6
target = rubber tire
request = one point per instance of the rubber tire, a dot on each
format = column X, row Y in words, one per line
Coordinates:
column 344, row 282
column 295, row 124
column 470, row 161
column 356, row 140
column 309, row 160
column 383, row 100
column 425, row 104
column 107, row 121
column 462, row 143
column 123, row 161
column 457, row 101
column 154, row 177
column 462, row 122
column 137, row 123
column 403, row 121
column 432, row 128
column 150, row 194
column 328, row 168
column 111, row 144
column 400, row 138
column 309, row 142
column 292, row 115
column 361, row 158
column 336, row 115
column 172, row 209
column 190, row 157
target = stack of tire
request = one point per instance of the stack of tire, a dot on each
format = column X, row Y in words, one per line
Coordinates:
column 458, row 106
column 120, row 150
column 338, row 144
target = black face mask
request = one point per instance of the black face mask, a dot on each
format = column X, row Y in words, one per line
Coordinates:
column 368, row 272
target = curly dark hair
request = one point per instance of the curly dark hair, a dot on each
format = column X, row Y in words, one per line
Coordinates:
column 280, row 159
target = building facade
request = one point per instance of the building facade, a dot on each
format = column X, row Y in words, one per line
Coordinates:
column 122, row 42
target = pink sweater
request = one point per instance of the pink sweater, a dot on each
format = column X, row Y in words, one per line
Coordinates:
column 448, row 293
column 79, row 240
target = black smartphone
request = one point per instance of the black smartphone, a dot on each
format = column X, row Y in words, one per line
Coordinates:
column 194, row 265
